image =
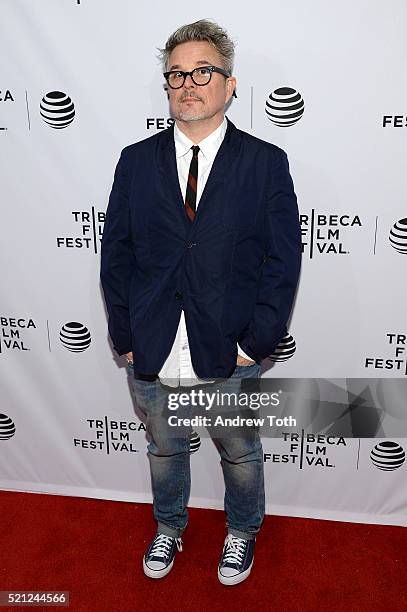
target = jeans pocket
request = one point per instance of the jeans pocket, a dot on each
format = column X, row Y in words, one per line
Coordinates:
column 251, row 370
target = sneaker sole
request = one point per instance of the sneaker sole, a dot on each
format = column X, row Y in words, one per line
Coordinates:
column 231, row 580
column 157, row 573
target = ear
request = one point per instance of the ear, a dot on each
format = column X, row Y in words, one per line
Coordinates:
column 230, row 87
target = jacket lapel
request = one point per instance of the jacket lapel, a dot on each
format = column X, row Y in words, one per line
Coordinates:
column 168, row 182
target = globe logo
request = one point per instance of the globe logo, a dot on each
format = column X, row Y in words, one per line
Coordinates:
column 7, row 427
column 284, row 106
column 57, row 109
column 75, row 337
column 285, row 349
column 388, row 455
column 398, row 236
column 194, row 442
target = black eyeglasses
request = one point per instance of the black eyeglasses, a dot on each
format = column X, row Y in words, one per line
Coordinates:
column 200, row 76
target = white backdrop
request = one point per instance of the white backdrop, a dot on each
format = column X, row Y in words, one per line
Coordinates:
column 68, row 423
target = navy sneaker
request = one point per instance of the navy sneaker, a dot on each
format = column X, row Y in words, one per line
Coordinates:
column 159, row 558
column 237, row 560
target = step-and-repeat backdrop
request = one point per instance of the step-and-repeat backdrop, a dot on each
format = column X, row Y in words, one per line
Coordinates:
column 80, row 80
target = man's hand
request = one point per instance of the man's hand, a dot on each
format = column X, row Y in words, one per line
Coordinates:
column 243, row 361
column 129, row 356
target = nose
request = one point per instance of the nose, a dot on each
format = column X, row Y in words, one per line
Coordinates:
column 188, row 81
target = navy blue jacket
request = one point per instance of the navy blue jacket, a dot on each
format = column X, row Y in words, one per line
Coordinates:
column 233, row 270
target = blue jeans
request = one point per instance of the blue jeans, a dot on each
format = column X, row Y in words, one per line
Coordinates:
column 169, row 457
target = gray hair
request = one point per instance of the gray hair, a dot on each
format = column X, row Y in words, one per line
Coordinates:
column 202, row 30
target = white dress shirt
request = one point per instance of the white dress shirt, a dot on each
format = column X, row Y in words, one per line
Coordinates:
column 177, row 369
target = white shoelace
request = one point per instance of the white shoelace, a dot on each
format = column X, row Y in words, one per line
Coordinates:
column 235, row 548
column 162, row 546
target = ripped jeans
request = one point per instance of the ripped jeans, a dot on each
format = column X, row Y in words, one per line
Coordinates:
column 241, row 459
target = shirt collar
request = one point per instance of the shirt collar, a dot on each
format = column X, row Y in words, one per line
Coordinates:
column 208, row 146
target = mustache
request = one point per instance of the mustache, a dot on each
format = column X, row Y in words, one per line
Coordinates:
column 189, row 96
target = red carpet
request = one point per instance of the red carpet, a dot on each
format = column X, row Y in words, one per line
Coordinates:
column 93, row 549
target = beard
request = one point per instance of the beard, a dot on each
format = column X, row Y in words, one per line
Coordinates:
column 189, row 114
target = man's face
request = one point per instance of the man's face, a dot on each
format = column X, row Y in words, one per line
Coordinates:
column 194, row 102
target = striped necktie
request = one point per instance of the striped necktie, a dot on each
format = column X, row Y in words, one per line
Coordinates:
column 190, row 196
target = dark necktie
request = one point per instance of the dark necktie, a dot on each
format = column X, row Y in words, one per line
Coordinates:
column 190, row 196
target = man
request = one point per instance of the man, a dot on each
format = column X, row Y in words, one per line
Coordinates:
column 200, row 261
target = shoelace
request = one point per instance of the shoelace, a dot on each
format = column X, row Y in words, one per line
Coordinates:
column 235, row 549
column 162, row 545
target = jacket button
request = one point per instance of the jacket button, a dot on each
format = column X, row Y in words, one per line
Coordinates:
column 178, row 295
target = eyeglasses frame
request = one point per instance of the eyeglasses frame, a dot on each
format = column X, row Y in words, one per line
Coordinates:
column 212, row 69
